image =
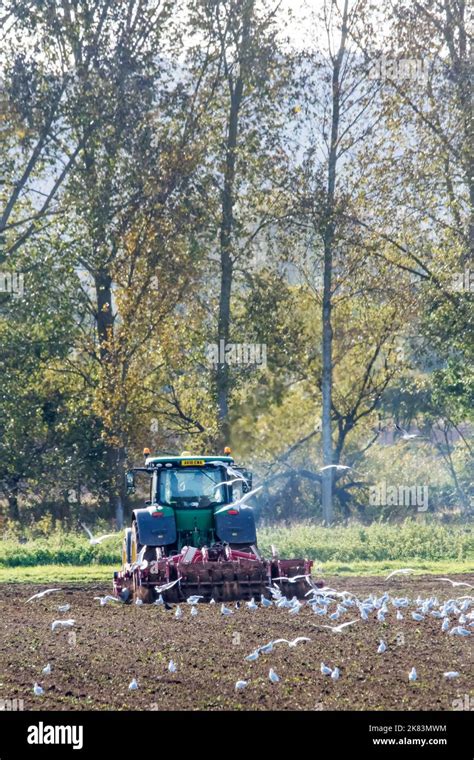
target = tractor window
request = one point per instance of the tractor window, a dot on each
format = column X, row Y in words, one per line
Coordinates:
column 193, row 486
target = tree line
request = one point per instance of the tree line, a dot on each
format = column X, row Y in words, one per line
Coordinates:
column 235, row 226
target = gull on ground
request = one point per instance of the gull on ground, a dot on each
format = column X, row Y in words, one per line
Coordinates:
column 412, row 676
column 335, row 674
column 239, row 685
column 194, row 599
column 133, row 684
column 295, row 608
column 451, row 674
column 179, row 613
column 62, row 624
column 172, row 667
column 325, row 670
column 252, row 656
column 400, row 601
column 47, row 669
column 194, row 611
column 64, row 608
column 274, row 678
column 382, row 647
column 38, row 690
column 105, row 599
column 225, row 610
column 459, row 631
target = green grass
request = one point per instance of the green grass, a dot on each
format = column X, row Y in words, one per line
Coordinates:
column 421, row 567
column 374, row 549
column 60, row 549
column 49, row 574
column 378, row 542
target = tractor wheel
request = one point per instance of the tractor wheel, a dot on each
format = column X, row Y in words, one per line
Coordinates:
column 135, row 543
column 127, row 547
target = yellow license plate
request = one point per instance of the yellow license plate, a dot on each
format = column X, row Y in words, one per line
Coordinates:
column 192, row 462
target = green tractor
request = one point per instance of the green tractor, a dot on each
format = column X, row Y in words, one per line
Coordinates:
column 196, row 536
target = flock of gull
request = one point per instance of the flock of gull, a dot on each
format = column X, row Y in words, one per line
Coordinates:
column 456, row 616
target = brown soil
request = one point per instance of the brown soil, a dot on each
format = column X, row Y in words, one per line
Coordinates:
column 113, row 644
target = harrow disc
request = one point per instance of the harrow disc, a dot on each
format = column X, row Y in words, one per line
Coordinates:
column 223, row 580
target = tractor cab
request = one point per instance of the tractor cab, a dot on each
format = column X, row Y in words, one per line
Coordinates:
column 189, row 495
column 192, row 487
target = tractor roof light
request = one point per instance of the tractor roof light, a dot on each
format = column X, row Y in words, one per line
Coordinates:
column 227, row 450
column 232, row 511
column 146, row 452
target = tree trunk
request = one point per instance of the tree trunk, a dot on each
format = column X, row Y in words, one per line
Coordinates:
column 328, row 242
column 452, row 470
column 115, row 455
column 13, row 507
column 226, row 230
